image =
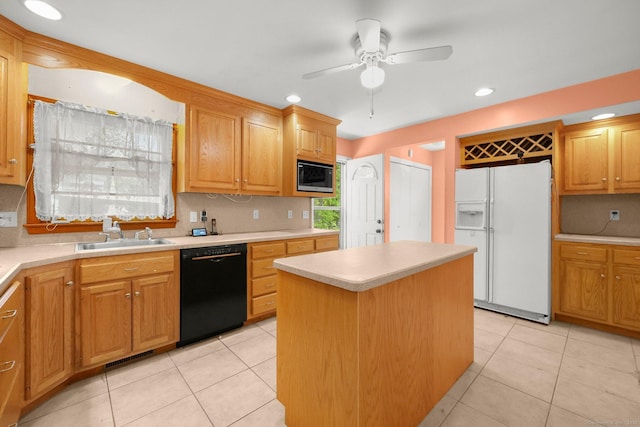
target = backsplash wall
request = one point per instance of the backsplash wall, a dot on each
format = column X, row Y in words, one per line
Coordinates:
column 233, row 214
column 589, row 214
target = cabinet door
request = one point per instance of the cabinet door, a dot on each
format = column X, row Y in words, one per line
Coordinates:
column 306, row 141
column 105, row 322
column 583, row 289
column 49, row 328
column 626, row 165
column 326, row 148
column 261, row 158
column 11, row 107
column 586, row 161
column 214, row 152
column 626, row 296
column 154, row 312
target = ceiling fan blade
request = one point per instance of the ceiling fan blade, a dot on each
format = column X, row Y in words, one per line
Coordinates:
column 369, row 33
column 429, row 54
column 332, row 70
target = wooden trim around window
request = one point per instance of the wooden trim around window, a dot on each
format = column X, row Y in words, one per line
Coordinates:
column 37, row 226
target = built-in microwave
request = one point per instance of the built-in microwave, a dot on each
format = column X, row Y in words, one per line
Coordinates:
column 315, row 177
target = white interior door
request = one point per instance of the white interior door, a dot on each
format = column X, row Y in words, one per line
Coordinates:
column 410, row 201
column 364, row 207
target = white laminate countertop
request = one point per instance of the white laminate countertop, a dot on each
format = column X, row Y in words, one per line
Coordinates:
column 360, row 269
column 603, row 240
column 12, row 260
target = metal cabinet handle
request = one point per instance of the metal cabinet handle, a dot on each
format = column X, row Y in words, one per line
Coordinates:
column 11, row 365
column 136, row 293
column 127, row 295
column 10, row 314
column 582, row 253
column 617, row 178
column 13, row 161
column 617, row 277
column 602, row 275
column 604, row 179
column 269, row 285
column 69, row 283
column 132, row 269
column 269, row 303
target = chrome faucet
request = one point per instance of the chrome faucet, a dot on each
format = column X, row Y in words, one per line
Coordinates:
column 115, row 229
column 146, row 230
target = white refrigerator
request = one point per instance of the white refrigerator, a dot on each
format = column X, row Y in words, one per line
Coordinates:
column 506, row 212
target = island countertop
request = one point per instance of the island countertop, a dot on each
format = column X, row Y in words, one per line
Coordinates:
column 364, row 268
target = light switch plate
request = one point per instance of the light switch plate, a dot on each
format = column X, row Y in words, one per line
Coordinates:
column 193, row 216
column 289, row 214
column 305, row 214
column 8, row 219
column 256, row 214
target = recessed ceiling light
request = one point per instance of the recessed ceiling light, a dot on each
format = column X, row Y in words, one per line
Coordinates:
column 484, row 91
column 294, row 99
column 43, row 9
column 603, row 116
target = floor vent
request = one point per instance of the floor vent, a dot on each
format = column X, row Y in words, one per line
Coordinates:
column 128, row 359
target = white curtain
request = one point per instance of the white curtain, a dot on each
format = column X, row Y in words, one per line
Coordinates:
column 90, row 163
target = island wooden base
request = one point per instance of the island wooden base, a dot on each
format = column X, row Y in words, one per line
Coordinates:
column 381, row 357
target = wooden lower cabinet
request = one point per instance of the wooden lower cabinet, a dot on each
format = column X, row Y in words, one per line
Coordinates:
column 584, row 288
column 262, row 283
column 11, row 353
column 119, row 318
column 600, row 284
column 49, row 300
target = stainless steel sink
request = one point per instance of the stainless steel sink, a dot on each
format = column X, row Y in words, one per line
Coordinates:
column 123, row 243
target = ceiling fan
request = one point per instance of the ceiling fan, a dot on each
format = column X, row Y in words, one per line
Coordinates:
column 370, row 45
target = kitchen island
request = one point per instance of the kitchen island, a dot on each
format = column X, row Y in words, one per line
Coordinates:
column 372, row 336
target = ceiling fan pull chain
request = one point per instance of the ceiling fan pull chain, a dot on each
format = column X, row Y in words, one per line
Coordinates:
column 371, row 104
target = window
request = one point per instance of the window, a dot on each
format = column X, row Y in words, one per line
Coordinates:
column 89, row 164
column 327, row 211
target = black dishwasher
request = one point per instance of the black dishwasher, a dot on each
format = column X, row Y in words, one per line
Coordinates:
column 213, row 291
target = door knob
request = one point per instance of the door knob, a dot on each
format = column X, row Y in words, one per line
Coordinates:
column 378, row 231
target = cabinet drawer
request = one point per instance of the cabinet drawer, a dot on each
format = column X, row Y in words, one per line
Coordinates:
column 264, row 285
column 626, row 257
column 262, row 267
column 263, row 304
column 10, row 347
column 583, row 252
column 124, row 266
column 267, row 250
column 327, row 243
column 299, row 247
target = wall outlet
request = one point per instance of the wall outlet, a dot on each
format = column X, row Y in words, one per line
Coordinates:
column 256, row 214
column 305, row 214
column 8, row 219
column 193, row 216
column 614, row 215
column 290, row 214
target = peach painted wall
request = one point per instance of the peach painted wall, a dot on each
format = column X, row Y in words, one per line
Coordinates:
column 612, row 90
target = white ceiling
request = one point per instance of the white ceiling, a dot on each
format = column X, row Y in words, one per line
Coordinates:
column 259, row 49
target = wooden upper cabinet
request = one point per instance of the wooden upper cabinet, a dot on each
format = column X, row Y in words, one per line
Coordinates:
column 12, row 112
column 626, row 166
column 307, row 136
column 214, row 151
column 233, row 153
column 586, row 161
column 49, row 327
column 261, row 157
column 601, row 158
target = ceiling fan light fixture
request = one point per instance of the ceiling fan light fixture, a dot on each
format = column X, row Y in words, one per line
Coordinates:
column 484, row 91
column 372, row 77
column 43, row 9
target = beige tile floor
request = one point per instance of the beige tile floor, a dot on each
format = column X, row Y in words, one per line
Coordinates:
column 524, row 374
